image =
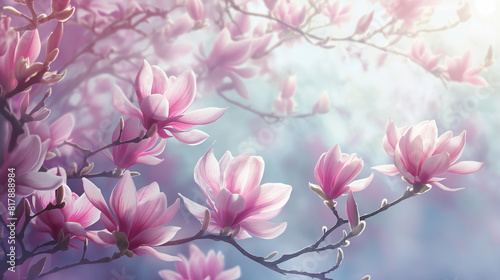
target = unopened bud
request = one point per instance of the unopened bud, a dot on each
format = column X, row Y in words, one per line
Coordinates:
column 53, row 78
column 41, row 115
column 72, row 170
column 65, row 14
column 59, row 195
column 323, row 104
column 317, row 189
column 129, row 254
column 324, row 229
column 121, row 241
column 384, row 203
column 152, row 130
column 121, row 124
column 59, row 5
column 50, row 155
column 345, row 243
column 86, row 170
column 340, row 256
column 363, row 23
column 359, row 229
column 12, row 11
column 134, row 173
column 25, row 103
column 206, row 221
column 225, row 231
column 270, row 256
column 51, row 56
column 367, row 277
column 22, row 65
column 55, row 38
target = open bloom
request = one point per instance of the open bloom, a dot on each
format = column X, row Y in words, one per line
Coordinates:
column 335, row 172
column 201, row 267
column 285, row 104
column 164, row 101
column 56, row 133
column 460, row 69
column 27, row 158
column 77, row 214
column 420, row 155
column 420, row 54
column 136, row 215
column 145, row 152
column 238, row 204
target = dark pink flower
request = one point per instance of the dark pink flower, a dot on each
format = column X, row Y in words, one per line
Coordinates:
column 420, row 155
column 201, row 267
column 164, row 101
column 144, row 152
column 77, row 214
column 138, row 215
column 460, row 69
column 27, row 158
column 237, row 202
column 335, row 172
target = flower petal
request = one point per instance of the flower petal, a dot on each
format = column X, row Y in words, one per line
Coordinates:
column 123, row 202
column 264, row 229
column 123, row 105
column 144, row 81
column 466, row 167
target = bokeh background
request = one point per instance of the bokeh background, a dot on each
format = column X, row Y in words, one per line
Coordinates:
column 438, row 235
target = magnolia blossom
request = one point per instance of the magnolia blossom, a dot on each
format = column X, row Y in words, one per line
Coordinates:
column 201, row 267
column 409, row 11
column 56, row 133
column 460, row 69
column 335, row 172
column 76, row 215
column 323, row 104
column 144, row 152
column 164, row 101
column 292, row 13
column 420, row 155
column 285, row 104
column 238, row 204
column 420, row 54
column 23, row 51
column 337, row 12
column 27, row 158
column 136, row 217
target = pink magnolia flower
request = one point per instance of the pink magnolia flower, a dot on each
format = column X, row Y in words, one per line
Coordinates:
column 423, row 56
column 357, row 226
column 144, row 152
column 292, row 13
column 195, row 9
column 460, row 69
column 337, row 13
column 285, row 104
column 137, row 215
column 323, row 104
column 409, row 11
column 238, row 205
column 56, row 133
column 164, row 101
column 226, row 60
column 27, row 158
column 335, row 172
column 77, row 214
column 201, row 267
column 27, row 47
column 420, row 155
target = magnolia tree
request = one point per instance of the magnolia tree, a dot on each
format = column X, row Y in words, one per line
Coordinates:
column 89, row 90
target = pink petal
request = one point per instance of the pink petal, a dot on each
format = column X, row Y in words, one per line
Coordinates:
column 155, row 106
column 41, row 181
column 387, row 169
column 61, row 129
column 228, row 207
column 191, row 137
column 123, row 202
column 352, row 211
column 202, row 116
column 181, row 93
column 266, row 201
column 243, row 174
column 144, row 81
column 153, row 236
column 445, row 188
column 230, row 274
column 194, row 208
column 264, row 229
column 74, row 228
column 433, row 166
column 454, row 147
column 361, row 184
column 84, row 212
column 27, row 155
column 466, row 167
column 95, row 197
column 169, row 275
column 207, row 174
column 161, row 256
column 123, row 105
column 160, row 81
column 29, row 46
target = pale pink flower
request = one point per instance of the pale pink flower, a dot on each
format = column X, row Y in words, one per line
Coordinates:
column 460, row 69
column 27, row 158
column 292, row 13
column 323, row 104
column 144, row 152
column 285, row 104
column 164, row 101
column 270, row 4
column 201, row 267
column 77, row 214
column 195, row 9
column 139, row 215
column 56, row 133
column 27, row 47
column 420, row 155
column 423, row 56
column 337, row 12
column 409, row 11
column 226, row 60
column 237, row 202
column 335, row 172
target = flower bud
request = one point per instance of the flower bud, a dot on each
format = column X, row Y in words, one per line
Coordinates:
column 55, row 38
column 384, row 203
column 59, row 195
column 35, row 270
column 152, row 130
column 206, row 221
column 51, row 56
column 270, row 256
column 195, row 9
column 41, row 115
column 51, row 79
column 21, row 67
column 59, row 5
column 324, row 229
column 64, row 15
column 323, row 104
column 86, row 170
column 340, row 256
column 11, row 10
column 367, row 277
column 364, row 23
column 317, row 189
column 289, row 87
column 50, row 155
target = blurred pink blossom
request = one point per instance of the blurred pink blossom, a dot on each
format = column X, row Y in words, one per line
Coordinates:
column 420, row 155
column 238, row 204
column 335, row 172
column 337, row 12
column 144, row 152
column 323, row 104
column 285, row 104
column 77, row 214
column 291, row 13
column 423, row 56
column 201, row 267
column 138, row 215
column 195, row 9
column 27, row 158
column 460, row 69
column 164, row 101
column 409, row 11
column 56, row 133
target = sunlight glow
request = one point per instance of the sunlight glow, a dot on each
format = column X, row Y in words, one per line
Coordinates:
column 486, row 7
